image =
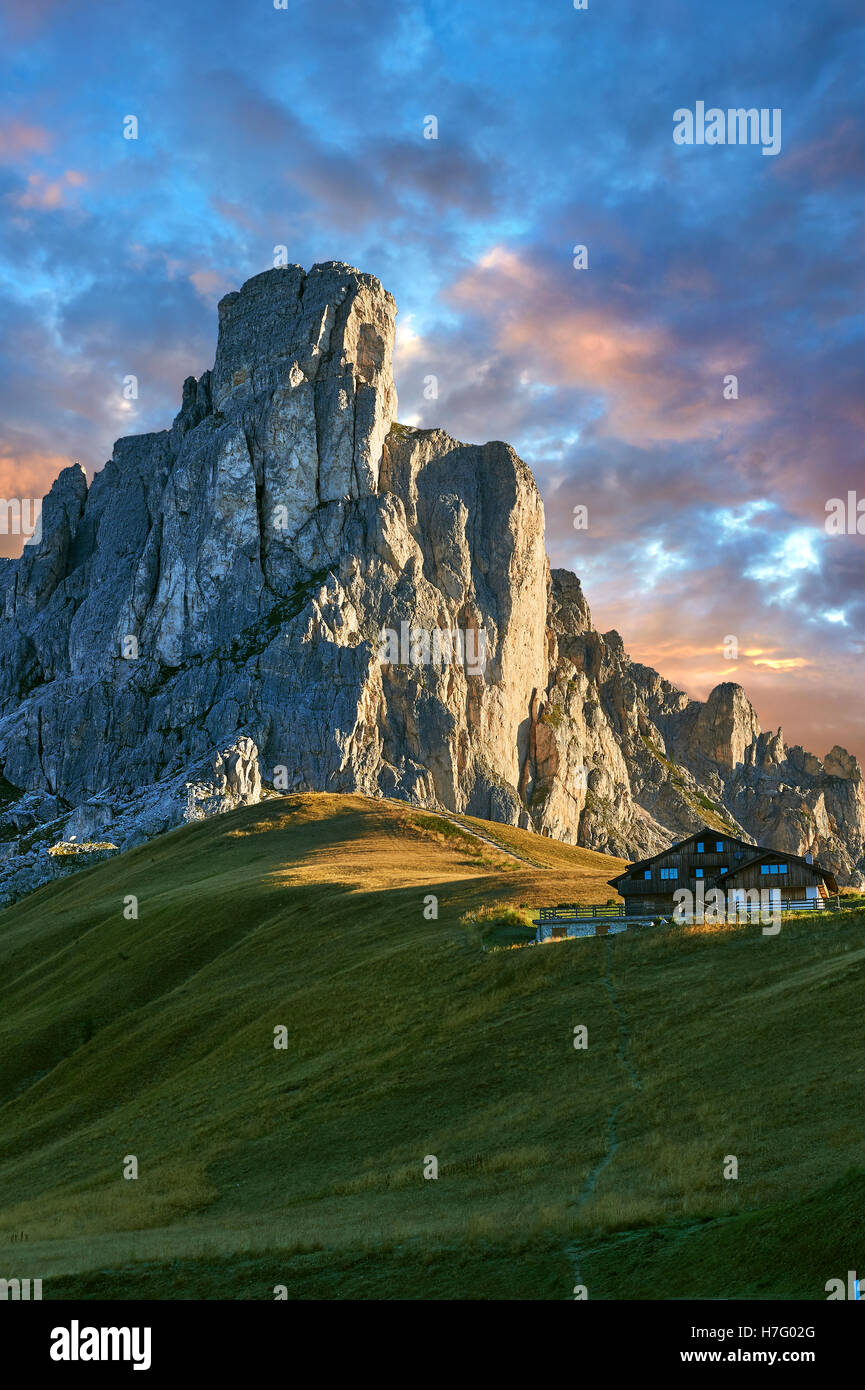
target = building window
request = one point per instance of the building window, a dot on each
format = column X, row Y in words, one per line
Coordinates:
column 764, row 868
column 648, row 873
column 701, row 848
column 669, row 873
column 773, row 868
column 719, row 845
column 699, row 873
column 723, row 870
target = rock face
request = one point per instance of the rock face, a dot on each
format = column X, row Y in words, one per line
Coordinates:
column 210, row 614
column 641, row 765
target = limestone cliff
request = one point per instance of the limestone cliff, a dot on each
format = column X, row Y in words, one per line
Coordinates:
column 209, row 613
column 639, row 764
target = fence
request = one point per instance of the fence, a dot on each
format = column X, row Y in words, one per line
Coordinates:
column 564, row 919
column 576, row 912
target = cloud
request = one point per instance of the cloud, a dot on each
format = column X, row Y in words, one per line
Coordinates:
column 211, row 284
column 305, row 129
column 22, row 138
column 25, row 473
column 649, row 387
column 833, row 157
column 48, row 194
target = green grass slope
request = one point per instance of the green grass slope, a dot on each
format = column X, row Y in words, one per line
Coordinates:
column 154, row 1037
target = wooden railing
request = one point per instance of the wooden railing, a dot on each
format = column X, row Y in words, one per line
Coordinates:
column 567, row 913
column 577, row 912
column 827, row 904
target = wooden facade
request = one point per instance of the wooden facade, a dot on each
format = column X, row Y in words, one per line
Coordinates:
column 797, row 879
column 719, row 860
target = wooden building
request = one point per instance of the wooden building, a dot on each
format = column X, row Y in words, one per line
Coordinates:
column 798, row 880
column 716, row 859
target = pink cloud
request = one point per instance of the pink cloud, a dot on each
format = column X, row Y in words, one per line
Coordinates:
column 829, row 159
column 237, row 213
column 24, row 18
column 652, row 389
column 25, row 473
column 211, row 284
column 47, row 194
column 17, row 138
column 815, row 698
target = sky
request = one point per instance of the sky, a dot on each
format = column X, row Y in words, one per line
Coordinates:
column 704, row 539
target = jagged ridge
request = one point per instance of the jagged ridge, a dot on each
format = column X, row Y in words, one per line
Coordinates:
column 251, row 556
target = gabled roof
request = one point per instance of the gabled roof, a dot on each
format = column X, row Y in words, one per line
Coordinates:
column 827, row 877
column 759, row 854
column 705, row 834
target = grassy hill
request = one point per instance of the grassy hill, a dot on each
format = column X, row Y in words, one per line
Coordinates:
column 303, row 1166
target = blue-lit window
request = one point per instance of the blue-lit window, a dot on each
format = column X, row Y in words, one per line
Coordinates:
column 701, row 848
column 782, row 868
column 773, row 868
column 669, row 873
column 648, row 873
column 723, row 870
column 719, row 845
column 699, row 873
column 764, row 868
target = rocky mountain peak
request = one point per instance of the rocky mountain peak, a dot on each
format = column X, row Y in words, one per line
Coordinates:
column 211, row 614
column 727, row 726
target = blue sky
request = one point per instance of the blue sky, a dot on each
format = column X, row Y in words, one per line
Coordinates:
column 304, row 127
